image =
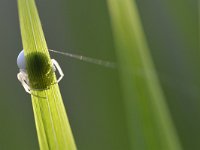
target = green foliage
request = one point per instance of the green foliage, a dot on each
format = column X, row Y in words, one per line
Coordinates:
column 52, row 124
column 149, row 123
column 40, row 71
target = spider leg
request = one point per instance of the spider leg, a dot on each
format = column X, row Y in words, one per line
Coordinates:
column 22, row 77
column 57, row 66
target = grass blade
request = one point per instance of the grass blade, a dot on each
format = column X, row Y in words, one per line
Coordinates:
column 149, row 123
column 52, row 124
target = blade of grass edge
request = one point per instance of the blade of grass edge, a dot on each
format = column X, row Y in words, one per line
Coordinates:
column 51, row 121
column 149, row 124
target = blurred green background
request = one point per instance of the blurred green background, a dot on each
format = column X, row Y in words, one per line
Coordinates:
column 91, row 93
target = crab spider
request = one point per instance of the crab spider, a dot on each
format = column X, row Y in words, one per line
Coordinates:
column 23, row 76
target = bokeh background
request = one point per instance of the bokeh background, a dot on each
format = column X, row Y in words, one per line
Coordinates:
column 92, row 94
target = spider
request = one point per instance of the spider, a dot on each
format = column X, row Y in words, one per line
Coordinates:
column 23, row 76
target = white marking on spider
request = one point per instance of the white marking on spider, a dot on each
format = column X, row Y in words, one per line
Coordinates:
column 23, row 76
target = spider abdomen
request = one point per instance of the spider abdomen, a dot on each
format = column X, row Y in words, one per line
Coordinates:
column 40, row 70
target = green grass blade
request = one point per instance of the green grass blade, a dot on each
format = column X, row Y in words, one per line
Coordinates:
column 149, row 123
column 52, row 124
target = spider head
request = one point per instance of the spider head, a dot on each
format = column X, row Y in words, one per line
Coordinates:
column 38, row 67
column 21, row 63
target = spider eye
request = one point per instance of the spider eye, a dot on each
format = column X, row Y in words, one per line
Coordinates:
column 21, row 63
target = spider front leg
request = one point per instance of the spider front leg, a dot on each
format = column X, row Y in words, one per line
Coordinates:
column 57, row 66
column 23, row 78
